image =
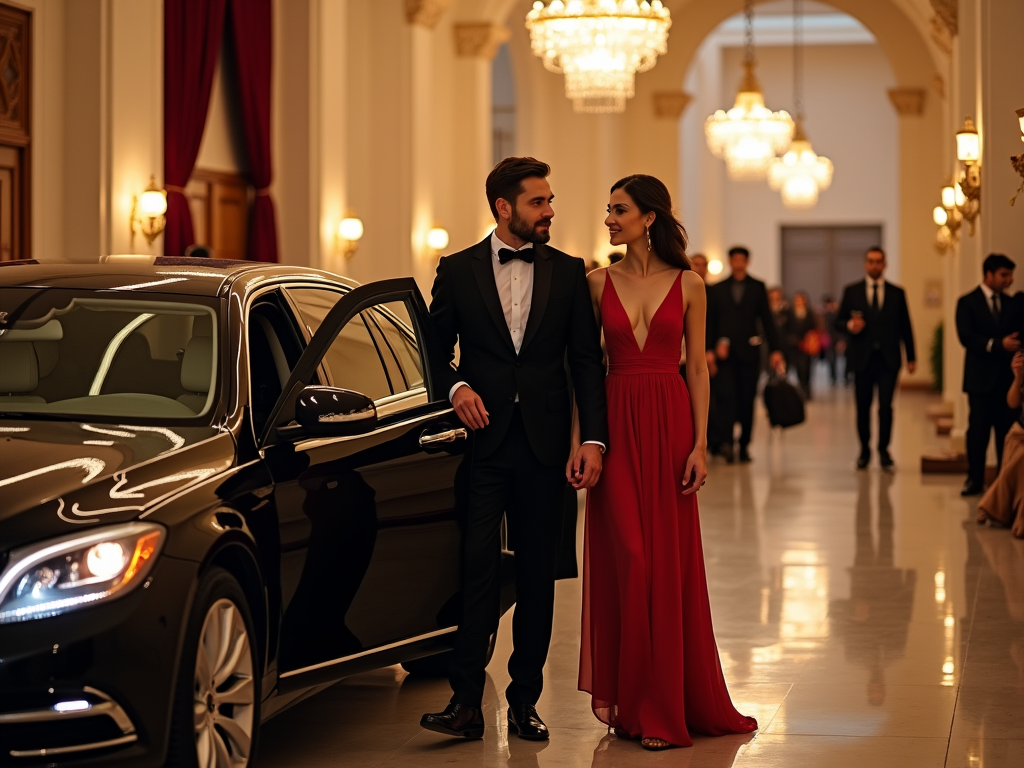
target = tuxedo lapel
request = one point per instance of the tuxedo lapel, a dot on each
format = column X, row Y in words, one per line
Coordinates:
column 541, row 289
column 484, row 273
column 984, row 309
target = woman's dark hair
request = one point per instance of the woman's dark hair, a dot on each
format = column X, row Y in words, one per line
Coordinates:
column 668, row 238
column 505, row 181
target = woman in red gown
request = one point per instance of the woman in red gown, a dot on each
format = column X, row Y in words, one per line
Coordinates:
column 648, row 657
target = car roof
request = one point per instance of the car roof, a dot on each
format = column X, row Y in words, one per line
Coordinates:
column 164, row 274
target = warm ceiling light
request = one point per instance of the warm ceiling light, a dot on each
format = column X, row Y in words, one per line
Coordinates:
column 599, row 45
column 800, row 174
column 749, row 135
column 948, row 197
column 968, row 144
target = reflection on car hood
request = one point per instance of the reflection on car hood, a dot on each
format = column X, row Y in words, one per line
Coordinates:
column 56, row 476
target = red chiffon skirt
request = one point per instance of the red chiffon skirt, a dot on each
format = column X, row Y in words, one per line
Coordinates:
column 648, row 655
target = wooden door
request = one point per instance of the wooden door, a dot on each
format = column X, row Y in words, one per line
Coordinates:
column 219, row 203
column 822, row 260
column 15, row 136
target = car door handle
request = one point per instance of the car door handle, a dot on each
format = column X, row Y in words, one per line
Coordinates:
column 448, row 436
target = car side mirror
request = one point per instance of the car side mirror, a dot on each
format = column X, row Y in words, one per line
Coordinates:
column 332, row 412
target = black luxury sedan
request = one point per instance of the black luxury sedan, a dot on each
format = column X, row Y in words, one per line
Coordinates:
column 223, row 486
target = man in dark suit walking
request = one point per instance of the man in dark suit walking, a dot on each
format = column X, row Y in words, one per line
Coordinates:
column 519, row 311
column 875, row 317
column 739, row 321
column 988, row 323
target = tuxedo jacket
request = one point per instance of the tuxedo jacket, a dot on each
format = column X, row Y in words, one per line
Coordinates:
column 561, row 329
column 986, row 371
column 884, row 331
column 741, row 323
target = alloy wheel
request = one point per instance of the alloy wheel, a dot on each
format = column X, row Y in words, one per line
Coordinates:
column 224, row 691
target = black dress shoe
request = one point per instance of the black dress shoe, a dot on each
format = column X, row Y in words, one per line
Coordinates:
column 727, row 454
column 745, row 455
column 863, row 461
column 888, row 465
column 456, row 720
column 524, row 720
column 972, row 488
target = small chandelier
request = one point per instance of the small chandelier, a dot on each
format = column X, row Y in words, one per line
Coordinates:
column 749, row 135
column 799, row 174
column 599, row 45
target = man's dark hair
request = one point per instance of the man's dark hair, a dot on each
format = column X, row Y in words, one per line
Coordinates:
column 505, row 180
column 740, row 250
column 996, row 261
column 874, row 248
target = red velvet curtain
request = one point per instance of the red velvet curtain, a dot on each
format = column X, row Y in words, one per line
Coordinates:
column 252, row 22
column 193, row 30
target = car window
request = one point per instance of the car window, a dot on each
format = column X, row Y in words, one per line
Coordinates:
column 391, row 325
column 353, row 360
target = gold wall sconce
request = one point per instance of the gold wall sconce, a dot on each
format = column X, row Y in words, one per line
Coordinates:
column 968, row 152
column 947, row 216
column 1018, row 160
column 346, row 239
column 148, row 211
column 437, row 241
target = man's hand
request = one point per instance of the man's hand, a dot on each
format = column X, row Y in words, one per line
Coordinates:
column 1017, row 365
column 586, row 466
column 470, row 408
column 712, row 363
column 1011, row 343
column 778, row 362
column 855, row 324
column 722, row 350
column 911, row 366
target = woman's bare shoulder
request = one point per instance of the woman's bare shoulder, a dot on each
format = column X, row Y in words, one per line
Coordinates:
column 596, row 280
column 692, row 282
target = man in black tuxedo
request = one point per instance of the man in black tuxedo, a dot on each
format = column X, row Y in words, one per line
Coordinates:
column 988, row 323
column 875, row 318
column 739, row 321
column 519, row 310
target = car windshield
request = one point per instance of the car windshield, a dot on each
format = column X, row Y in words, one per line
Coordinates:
column 100, row 353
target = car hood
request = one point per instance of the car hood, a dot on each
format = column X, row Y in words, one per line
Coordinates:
column 59, row 476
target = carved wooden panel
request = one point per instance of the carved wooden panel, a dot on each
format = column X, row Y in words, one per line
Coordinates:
column 219, row 203
column 15, row 135
column 15, row 90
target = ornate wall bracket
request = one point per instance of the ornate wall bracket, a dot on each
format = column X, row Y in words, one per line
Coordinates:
column 909, row 102
column 479, row 40
column 425, row 13
column 671, row 104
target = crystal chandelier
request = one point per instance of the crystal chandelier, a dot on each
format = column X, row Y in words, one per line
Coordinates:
column 749, row 135
column 599, row 45
column 799, row 174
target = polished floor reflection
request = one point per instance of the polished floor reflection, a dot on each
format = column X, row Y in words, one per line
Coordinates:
column 863, row 618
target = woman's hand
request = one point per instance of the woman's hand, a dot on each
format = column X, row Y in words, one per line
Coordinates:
column 1017, row 365
column 696, row 472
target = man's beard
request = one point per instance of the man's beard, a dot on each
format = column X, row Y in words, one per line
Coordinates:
column 526, row 232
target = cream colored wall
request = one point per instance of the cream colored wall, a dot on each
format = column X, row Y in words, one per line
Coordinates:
column 849, row 119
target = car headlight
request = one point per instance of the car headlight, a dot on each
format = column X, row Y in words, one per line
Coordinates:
column 60, row 575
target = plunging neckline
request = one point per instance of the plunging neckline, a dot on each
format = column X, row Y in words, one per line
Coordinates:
column 650, row 325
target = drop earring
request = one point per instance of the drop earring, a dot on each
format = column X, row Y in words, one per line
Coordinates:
column 648, row 230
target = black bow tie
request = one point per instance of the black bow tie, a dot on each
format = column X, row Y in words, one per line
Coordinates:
column 505, row 255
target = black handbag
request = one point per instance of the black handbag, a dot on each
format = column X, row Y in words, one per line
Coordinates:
column 784, row 403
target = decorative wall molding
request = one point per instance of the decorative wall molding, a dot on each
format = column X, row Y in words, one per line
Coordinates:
column 671, row 104
column 941, row 35
column 479, row 40
column 425, row 13
column 947, row 12
column 908, row 101
column 939, row 85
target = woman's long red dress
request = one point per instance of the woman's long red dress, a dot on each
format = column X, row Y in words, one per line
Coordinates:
column 648, row 656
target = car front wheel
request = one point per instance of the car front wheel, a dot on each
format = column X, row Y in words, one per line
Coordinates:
column 216, row 708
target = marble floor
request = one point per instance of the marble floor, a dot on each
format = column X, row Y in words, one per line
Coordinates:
column 861, row 617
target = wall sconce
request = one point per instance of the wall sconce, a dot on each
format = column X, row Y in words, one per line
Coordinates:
column 148, row 211
column 1018, row 160
column 968, row 152
column 947, row 216
column 437, row 241
column 346, row 239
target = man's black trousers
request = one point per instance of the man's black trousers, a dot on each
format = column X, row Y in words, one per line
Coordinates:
column 511, row 479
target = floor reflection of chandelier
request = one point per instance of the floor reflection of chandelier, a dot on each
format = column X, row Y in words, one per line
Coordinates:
column 599, row 45
column 799, row 174
column 749, row 135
